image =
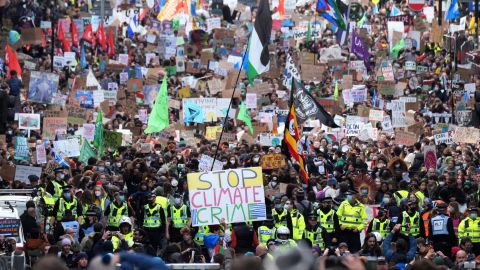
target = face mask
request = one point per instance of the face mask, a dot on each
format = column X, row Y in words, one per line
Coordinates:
column 364, row 191
column 386, row 200
column 349, row 197
column 107, row 164
column 122, row 198
column 62, row 176
column 232, row 161
column 224, row 163
column 176, row 201
column 119, row 164
column 450, row 209
column 67, row 195
column 278, row 206
column 256, row 159
column 101, row 169
column 286, row 206
column 98, row 193
column 157, row 152
column 473, row 215
column 441, row 183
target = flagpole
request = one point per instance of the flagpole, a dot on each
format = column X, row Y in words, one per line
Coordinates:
column 228, row 109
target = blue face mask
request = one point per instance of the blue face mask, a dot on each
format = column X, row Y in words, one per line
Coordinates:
column 122, row 198
column 473, row 216
column 67, row 195
column 278, row 206
column 349, row 197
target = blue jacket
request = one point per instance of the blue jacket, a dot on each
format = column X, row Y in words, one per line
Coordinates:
column 389, row 253
column 15, row 85
column 130, row 261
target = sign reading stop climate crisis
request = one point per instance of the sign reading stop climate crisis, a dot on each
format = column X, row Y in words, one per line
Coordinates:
column 236, row 195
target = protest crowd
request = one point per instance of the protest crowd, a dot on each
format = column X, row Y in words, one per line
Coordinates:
column 269, row 134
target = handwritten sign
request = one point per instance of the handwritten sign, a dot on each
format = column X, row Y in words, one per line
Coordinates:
column 21, row 148
column 268, row 139
column 41, row 154
column 444, row 137
column 22, row 173
column 405, row 138
column 430, row 156
column 205, row 164
column 467, row 135
column 52, row 124
column 76, row 115
column 234, row 195
column 273, row 161
column 112, row 139
column 68, row 147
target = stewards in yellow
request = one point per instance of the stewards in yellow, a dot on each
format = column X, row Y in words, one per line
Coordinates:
column 123, row 239
column 296, row 220
column 279, row 214
column 352, row 219
column 469, row 228
column 380, row 224
column 411, row 218
column 327, row 218
column 316, row 234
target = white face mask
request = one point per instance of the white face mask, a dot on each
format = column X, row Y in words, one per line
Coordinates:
column 157, row 152
column 232, row 161
column 119, row 164
column 98, row 193
column 256, row 159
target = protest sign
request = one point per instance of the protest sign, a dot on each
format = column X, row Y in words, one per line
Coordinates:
column 211, row 132
column 251, row 101
column 22, row 173
column 234, row 195
column 29, row 121
column 52, row 124
column 444, row 137
column 112, row 139
column 88, row 132
column 7, row 172
column 466, row 135
column 430, row 156
column 10, row 227
column 21, row 148
column 67, row 147
column 405, row 138
column 398, row 113
column 268, row 139
column 205, row 164
column 41, row 154
column 375, row 115
column 352, row 129
column 273, row 161
column 76, row 115
column 42, row 87
column 386, row 87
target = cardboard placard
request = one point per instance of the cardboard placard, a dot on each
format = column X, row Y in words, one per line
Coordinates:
column 134, row 85
column 405, row 138
column 311, row 73
column 7, row 172
column 52, row 124
column 273, row 161
column 22, row 173
column 32, row 36
column 386, row 87
column 76, row 115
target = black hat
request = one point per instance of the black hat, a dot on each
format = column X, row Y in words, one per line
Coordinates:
column 326, row 199
column 312, row 214
column 350, row 192
column 442, row 206
column 57, row 170
column 66, row 188
column 33, row 178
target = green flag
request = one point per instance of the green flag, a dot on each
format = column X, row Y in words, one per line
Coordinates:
column 335, row 93
column 309, row 33
column 245, row 117
column 158, row 119
column 86, row 152
column 98, row 140
column 396, row 49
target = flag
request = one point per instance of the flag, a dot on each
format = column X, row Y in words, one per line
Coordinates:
column 452, row 11
column 61, row 34
column 83, row 59
column 88, row 34
column 111, row 43
column 101, row 37
column 335, row 92
column 290, row 73
column 98, row 140
column 342, row 35
column 244, row 116
column 290, row 138
column 86, row 152
column 258, row 55
column 322, row 6
column 12, row 62
column 395, row 50
column 132, row 26
column 466, row 96
column 360, row 49
column 159, row 118
column 306, row 106
column 335, row 12
column 44, row 40
column 61, row 161
column 309, row 32
column 395, row 11
column 281, row 8
column 75, row 39
column 374, row 98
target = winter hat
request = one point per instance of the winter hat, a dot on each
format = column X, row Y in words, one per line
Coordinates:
column 66, row 242
column 331, row 181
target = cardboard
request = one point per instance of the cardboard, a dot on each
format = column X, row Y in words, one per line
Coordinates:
column 7, row 172
column 76, row 115
column 32, row 36
column 273, row 161
column 134, row 85
column 405, row 138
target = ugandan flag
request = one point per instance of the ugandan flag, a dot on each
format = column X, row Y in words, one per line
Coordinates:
column 291, row 137
column 258, row 55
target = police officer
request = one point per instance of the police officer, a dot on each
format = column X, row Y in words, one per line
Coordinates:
column 154, row 222
column 116, row 210
column 352, row 219
column 295, row 221
column 411, row 218
column 402, row 192
column 55, row 186
column 441, row 230
column 266, row 232
column 470, row 227
column 380, row 224
column 315, row 233
column 178, row 217
column 327, row 217
column 123, row 239
column 283, row 240
column 279, row 214
column 67, row 207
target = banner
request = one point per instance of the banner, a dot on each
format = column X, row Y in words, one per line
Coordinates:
column 43, row 87
column 29, row 121
column 21, row 148
column 273, row 161
column 10, row 227
column 235, row 195
column 22, row 173
column 268, row 139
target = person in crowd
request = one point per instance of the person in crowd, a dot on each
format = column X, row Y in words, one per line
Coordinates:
column 442, row 233
column 380, row 224
column 352, row 219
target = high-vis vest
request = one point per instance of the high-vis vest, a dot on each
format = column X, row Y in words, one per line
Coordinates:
column 326, row 220
column 421, row 198
column 202, row 231
column 280, row 219
column 116, row 241
column 298, row 223
column 58, row 190
column 151, row 217
column 116, row 213
column 439, row 225
column 352, row 217
column 414, row 224
column 47, row 198
column 179, row 216
column 426, row 220
column 163, row 203
column 382, row 227
column 264, row 234
column 315, row 237
column 469, row 228
column 64, row 206
column 400, row 195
